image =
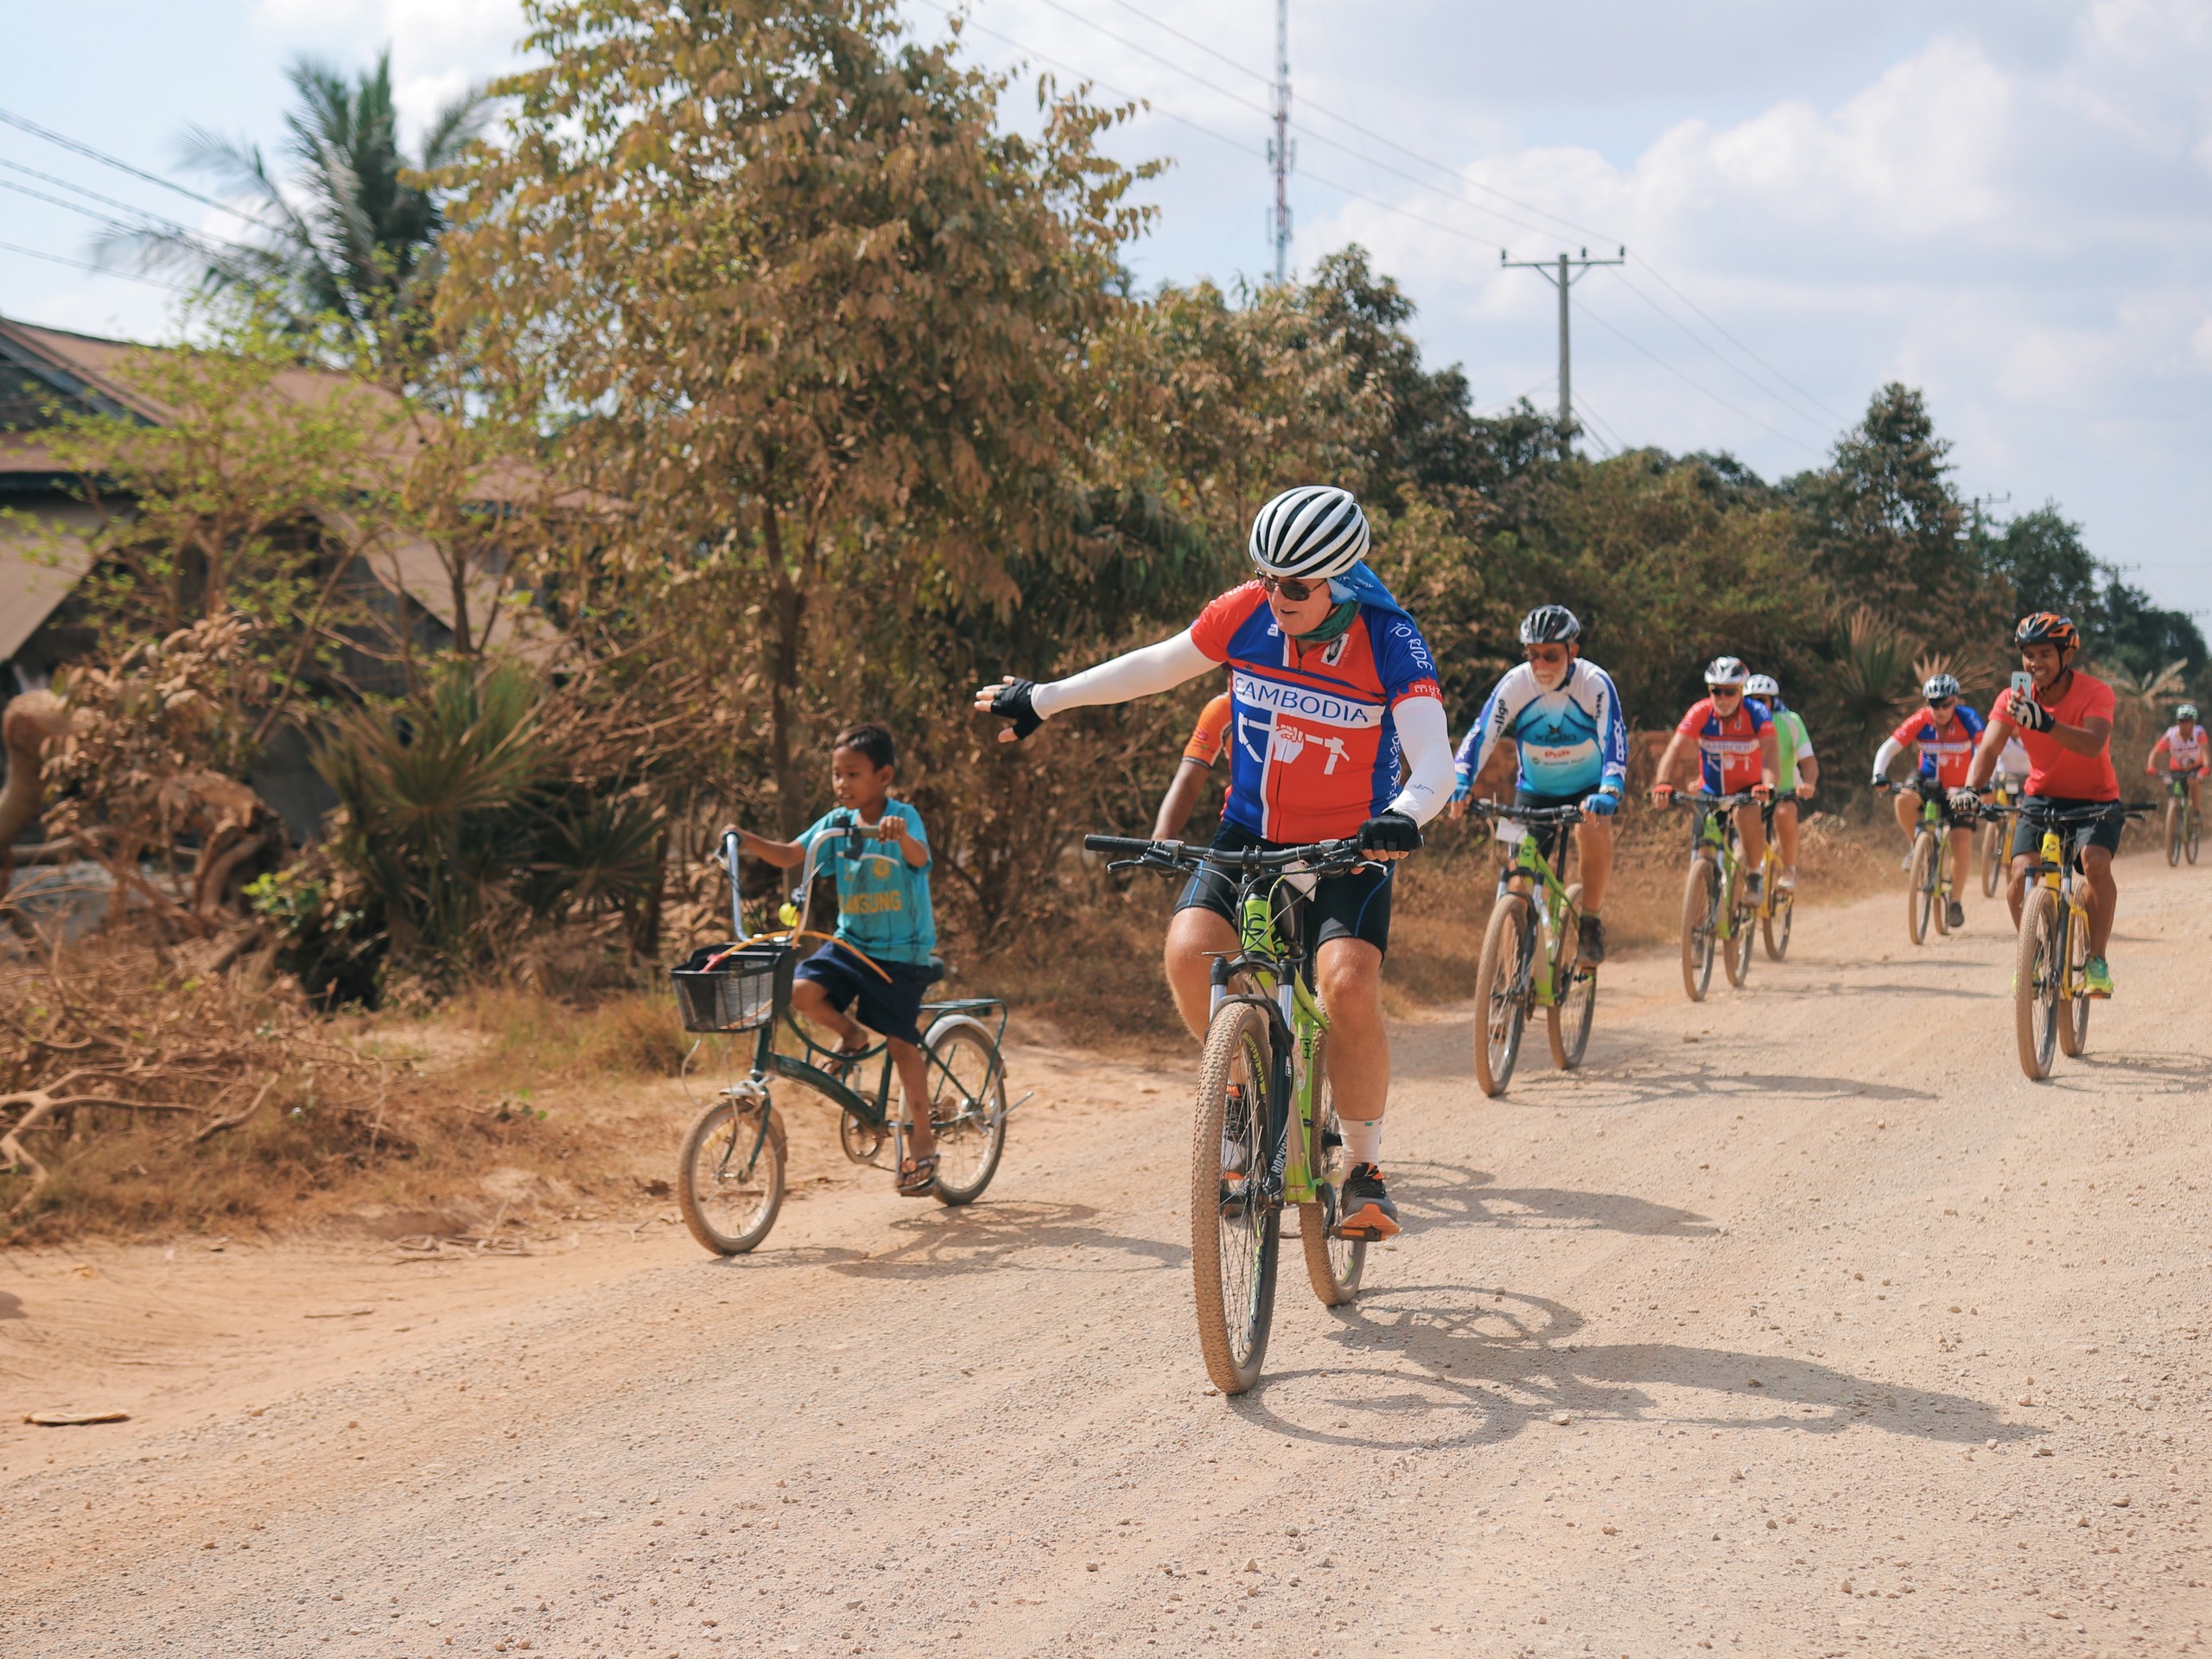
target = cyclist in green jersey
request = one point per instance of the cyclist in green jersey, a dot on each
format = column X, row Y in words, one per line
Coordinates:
column 1796, row 773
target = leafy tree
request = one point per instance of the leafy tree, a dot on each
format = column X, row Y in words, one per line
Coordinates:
column 805, row 307
column 1884, row 525
column 352, row 242
column 2042, row 557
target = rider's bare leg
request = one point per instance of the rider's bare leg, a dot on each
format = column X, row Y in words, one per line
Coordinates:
column 1594, row 841
column 1192, row 935
column 1961, row 860
column 1752, row 829
column 1349, row 976
column 1907, row 806
column 813, row 1004
column 2104, row 897
column 1785, row 832
column 2016, row 890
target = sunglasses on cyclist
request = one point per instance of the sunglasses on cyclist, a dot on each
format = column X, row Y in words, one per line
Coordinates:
column 1292, row 589
column 1944, row 705
column 1549, row 656
column 1724, row 691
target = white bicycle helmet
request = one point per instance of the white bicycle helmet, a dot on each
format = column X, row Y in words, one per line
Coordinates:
column 1727, row 670
column 1550, row 624
column 2187, row 711
column 1761, row 686
column 1940, row 686
column 1309, row 533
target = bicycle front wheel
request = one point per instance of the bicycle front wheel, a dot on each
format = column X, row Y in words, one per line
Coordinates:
column 2073, row 1011
column 967, row 1107
column 1992, row 860
column 1736, row 955
column 2035, row 983
column 2189, row 841
column 1700, row 922
column 730, row 1174
column 2173, row 833
column 1236, row 1232
column 1920, row 889
column 1332, row 1265
column 1501, row 991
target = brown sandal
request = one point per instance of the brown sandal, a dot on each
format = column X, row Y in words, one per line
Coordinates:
column 918, row 1177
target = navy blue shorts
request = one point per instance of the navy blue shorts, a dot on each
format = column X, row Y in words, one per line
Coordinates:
column 890, row 1007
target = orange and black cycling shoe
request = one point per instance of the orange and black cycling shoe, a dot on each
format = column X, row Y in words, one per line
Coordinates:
column 1368, row 1213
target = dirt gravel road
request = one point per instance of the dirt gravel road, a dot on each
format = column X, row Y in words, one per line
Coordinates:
column 1798, row 1324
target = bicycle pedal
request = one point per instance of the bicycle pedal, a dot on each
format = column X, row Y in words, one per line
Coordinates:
column 1330, row 1138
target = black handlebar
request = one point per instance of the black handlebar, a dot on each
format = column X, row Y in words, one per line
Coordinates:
column 1569, row 814
column 1182, row 856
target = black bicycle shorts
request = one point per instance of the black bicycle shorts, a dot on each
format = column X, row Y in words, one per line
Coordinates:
column 2027, row 834
column 1548, row 834
column 1354, row 906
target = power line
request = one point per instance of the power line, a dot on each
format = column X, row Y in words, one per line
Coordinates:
column 1658, row 277
column 97, row 270
column 1708, row 346
column 94, row 196
column 1695, row 385
column 106, row 160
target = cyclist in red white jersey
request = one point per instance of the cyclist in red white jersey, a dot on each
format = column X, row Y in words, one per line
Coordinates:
column 1734, row 737
column 1332, row 692
column 1945, row 733
column 2188, row 749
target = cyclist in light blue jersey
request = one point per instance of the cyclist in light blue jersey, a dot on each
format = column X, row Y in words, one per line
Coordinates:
column 1563, row 717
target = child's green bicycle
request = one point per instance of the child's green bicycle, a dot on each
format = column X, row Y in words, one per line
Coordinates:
column 735, row 998
column 1718, row 920
column 1530, row 948
column 1265, row 1133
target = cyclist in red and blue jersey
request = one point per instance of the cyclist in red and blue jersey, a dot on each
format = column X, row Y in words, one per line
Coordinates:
column 1945, row 731
column 1738, row 755
column 1332, row 695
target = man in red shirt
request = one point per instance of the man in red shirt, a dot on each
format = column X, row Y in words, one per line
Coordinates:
column 1739, row 754
column 2066, row 727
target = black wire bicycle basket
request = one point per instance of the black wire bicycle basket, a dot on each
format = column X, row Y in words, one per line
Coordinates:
column 734, row 987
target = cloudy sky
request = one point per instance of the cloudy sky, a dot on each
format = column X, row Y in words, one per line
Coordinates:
column 2007, row 203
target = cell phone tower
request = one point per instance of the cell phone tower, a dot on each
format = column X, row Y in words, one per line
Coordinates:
column 1281, row 152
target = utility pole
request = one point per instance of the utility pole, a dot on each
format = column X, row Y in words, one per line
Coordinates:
column 1562, row 274
column 1282, row 153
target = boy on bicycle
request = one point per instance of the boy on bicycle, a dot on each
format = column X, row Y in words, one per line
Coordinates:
column 1563, row 718
column 880, row 958
column 1945, row 733
column 1331, row 688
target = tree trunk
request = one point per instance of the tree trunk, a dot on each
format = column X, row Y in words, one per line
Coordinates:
column 787, row 618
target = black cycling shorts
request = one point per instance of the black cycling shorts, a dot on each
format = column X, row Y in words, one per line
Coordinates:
column 2027, row 834
column 1548, row 834
column 1354, row 906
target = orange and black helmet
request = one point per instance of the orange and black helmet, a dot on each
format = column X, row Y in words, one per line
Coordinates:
column 2048, row 628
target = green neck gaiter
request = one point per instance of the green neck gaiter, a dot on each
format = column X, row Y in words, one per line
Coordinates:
column 1330, row 631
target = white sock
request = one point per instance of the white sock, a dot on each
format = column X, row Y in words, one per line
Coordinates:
column 1364, row 1139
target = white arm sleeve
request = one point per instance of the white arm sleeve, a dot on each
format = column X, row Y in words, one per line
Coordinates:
column 1428, row 740
column 1132, row 675
column 1889, row 750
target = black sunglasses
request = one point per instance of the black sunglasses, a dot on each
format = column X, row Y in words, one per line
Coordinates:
column 1291, row 588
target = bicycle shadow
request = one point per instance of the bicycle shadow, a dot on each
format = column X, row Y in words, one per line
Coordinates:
column 1840, row 988
column 1641, row 1088
column 1489, row 1364
column 1445, row 1195
column 2136, row 1074
column 997, row 1237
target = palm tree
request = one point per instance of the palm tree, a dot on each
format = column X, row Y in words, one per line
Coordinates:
column 352, row 234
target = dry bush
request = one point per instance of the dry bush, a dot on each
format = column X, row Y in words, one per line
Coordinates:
column 632, row 1034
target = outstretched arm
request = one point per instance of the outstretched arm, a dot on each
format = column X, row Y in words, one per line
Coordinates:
column 1133, row 674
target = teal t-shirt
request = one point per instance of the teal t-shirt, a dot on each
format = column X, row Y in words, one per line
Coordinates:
column 883, row 902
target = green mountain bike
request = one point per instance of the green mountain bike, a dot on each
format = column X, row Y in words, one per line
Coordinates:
column 1266, row 1133
column 1718, row 920
column 1530, row 948
column 1928, row 894
column 2182, row 827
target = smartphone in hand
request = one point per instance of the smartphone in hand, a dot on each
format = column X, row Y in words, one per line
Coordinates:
column 2024, row 685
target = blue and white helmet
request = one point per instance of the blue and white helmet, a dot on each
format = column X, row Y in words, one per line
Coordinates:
column 1940, row 686
column 1762, row 685
column 1309, row 533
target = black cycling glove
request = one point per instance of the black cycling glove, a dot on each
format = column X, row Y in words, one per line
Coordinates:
column 1013, row 702
column 2030, row 716
column 1389, row 832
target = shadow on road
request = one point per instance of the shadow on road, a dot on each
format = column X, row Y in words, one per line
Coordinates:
column 1635, row 1087
column 990, row 1238
column 2136, row 1074
column 1446, row 1195
column 1489, row 1363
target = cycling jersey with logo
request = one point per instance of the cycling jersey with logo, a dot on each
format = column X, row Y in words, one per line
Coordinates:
column 1204, row 745
column 1570, row 740
column 2187, row 750
column 883, row 902
column 1729, row 746
column 1313, row 743
column 1946, row 752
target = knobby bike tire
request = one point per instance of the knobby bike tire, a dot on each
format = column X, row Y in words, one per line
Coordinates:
column 1502, row 990
column 727, row 1206
column 1782, row 909
column 2035, row 983
column 1233, row 1258
column 2173, row 834
column 1742, row 930
column 1941, row 910
column 1993, row 863
column 2073, row 1011
column 1920, row 887
column 1333, row 1266
column 2196, row 835
column 967, row 1107
column 1701, row 925
column 1575, row 989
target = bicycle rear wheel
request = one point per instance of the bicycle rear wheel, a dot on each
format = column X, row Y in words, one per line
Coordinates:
column 1700, row 922
column 1502, row 990
column 2173, row 833
column 1236, row 1233
column 1992, row 860
column 967, row 1107
column 1332, row 1265
column 2035, row 983
column 730, row 1174
column 1920, row 889
column 1736, row 957
column 1782, row 908
column 2073, row 1011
